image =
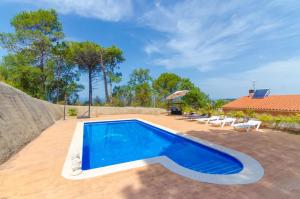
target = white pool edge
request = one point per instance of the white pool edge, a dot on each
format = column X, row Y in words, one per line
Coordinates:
column 252, row 170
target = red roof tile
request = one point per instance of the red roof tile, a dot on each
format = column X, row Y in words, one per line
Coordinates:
column 276, row 103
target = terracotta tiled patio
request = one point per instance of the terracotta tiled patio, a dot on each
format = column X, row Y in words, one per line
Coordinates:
column 35, row 172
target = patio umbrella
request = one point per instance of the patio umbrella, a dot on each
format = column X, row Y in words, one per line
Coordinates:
column 177, row 94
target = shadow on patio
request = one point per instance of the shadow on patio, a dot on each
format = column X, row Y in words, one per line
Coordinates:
column 278, row 154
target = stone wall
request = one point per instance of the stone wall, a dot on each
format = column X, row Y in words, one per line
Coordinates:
column 283, row 126
column 106, row 110
column 22, row 118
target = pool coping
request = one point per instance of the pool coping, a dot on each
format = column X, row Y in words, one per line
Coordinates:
column 252, row 170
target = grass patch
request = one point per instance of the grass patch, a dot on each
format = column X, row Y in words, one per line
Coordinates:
column 72, row 112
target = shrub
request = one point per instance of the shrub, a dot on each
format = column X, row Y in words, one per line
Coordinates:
column 291, row 119
column 297, row 118
column 265, row 118
column 218, row 112
column 230, row 114
column 285, row 119
column 62, row 102
column 72, row 112
column 188, row 109
column 238, row 114
column 208, row 109
column 250, row 113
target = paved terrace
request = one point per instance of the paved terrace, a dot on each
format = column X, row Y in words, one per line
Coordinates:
column 35, row 172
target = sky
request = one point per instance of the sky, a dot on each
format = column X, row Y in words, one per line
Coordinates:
column 222, row 46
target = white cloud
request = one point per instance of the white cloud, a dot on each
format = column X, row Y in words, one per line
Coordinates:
column 110, row 10
column 149, row 49
column 282, row 77
column 203, row 34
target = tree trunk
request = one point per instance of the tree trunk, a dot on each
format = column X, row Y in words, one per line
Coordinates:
column 58, row 78
column 43, row 76
column 104, row 77
column 90, row 91
column 110, row 91
column 65, row 103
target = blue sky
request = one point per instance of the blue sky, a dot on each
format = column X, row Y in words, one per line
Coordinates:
column 222, row 46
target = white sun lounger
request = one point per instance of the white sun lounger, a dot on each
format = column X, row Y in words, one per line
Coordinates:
column 223, row 122
column 207, row 120
column 247, row 125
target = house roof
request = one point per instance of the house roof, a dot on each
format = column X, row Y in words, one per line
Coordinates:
column 276, row 103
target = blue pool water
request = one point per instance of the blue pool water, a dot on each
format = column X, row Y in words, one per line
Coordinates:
column 114, row 142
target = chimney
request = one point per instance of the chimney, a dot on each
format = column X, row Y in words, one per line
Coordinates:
column 251, row 92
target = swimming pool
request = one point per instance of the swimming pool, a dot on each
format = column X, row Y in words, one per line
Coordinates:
column 109, row 146
column 109, row 143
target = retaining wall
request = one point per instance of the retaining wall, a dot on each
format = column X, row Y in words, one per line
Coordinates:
column 106, row 110
column 22, row 118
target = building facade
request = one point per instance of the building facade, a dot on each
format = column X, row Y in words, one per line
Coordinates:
column 273, row 104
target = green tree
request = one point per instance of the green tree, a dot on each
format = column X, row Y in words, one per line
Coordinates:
column 164, row 85
column 113, row 59
column 110, row 58
column 104, row 71
column 195, row 98
column 66, row 76
column 15, row 70
column 142, row 94
column 113, row 78
column 122, row 96
column 208, row 108
column 220, row 103
column 185, row 84
column 35, row 34
column 139, row 83
column 139, row 76
column 86, row 56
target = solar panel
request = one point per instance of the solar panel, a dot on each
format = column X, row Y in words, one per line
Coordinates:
column 261, row 93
